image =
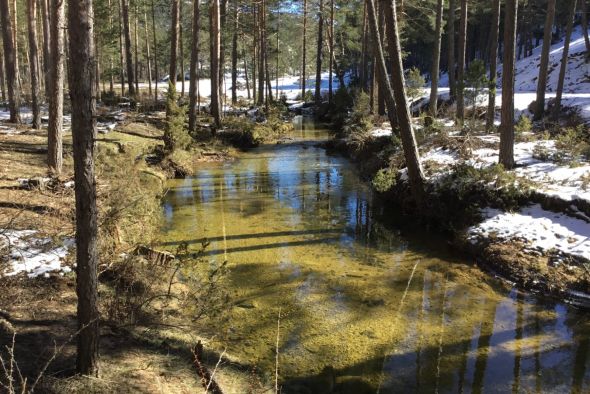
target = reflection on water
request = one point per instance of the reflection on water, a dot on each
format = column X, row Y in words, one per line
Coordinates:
column 364, row 308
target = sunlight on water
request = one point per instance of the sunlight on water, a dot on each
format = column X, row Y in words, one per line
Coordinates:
column 364, row 308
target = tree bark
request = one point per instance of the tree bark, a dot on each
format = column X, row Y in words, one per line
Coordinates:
column 46, row 46
column 56, row 102
column 82, row 95
column 304, row 50
column 10, row 62
column 461, row 63
column 495, row 28
column 364, row 73
column 128, row 53
column 215, row 43
column 181, row 49
column 192, row 90
column 234, row 57
column 246, row 72
column 121, row 49
column 261, row 45
column 136, row 39
column 451, row 48
column 507, row 124
column 174, row 28
column 564, row 60
column 148, row 58
column 584, row 12
column 318, row 61
column 396, row 100
column 34, row 61
column 156, row 76
column 544, row 65
column 436, row 59
column 331, row 46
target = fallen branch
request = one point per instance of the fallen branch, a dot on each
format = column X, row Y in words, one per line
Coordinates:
column 206, row 378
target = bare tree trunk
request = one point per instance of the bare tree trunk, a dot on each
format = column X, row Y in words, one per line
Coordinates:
column 181, row 49
column 222, row 24
column 234, row 57
column 136, row 34
column 304, row 50
column 215, row 43
column 121, row 49
column 15, row 38
column 56, row 102
column 148, row 58
column 436, row 59
column 278, row 51
column 461, row 63
column 544, row 65
column 396, row 100
column 80, row 16
column 261, row 43
column 192, row 89
column 128, row 53
column 175, row 14
column 564, row 60
column 46, row 46
column 2, row 78
column 318, row 61
column 155, row 52
column 584, row 12
column 111, row 63
column 507, row 125
column 97, row 69
column 364, row 51
column 495, row 28
column 34, row 61
column 246, row 72
column 451, row 49
column 10, row 62
column 331, row 46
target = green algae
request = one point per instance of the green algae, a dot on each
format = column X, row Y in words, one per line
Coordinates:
column 363, row 307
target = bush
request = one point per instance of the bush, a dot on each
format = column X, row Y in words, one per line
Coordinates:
column 523, row 125
column 176, row 134
column 476, row 81
column 384, row 180
column 414, row 83
column 341, row 104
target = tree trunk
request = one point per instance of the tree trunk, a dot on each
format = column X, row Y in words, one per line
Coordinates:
column 380, row 94
column 451, row 49
column 222, row 24
column 46, row 46
column 192, row 90
column 584, row 12
column 34, row 61
column 10, row 62
column 2, row 78
column 397, row 105
column 261, row 45
column 304, row 50
column 564, row 60
column 181, row 49
column 128, row 53
column 148, row 58
column 111, row 63
column 56, row 102
column 507, row 125
column 331, row 47
column 246, row 72
column 436, row 59
column 461, row 63
column 495, row 28
column 15, row 39
column 175, row 15
column 136, row 39
column 121, row 49
column 364, row 52
column 234, row 57
column 82, row 94
column 156, row 76
column 544, row 65
column 318, row 64
column 215, row 43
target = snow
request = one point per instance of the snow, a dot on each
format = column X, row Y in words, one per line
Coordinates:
column 33, row 255
column 441, row 156
column 542, row 230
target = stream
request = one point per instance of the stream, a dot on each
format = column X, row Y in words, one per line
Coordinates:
column 365, row 307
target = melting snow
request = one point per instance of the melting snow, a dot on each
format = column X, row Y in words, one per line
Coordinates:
column 33, row 255
column 542, row 230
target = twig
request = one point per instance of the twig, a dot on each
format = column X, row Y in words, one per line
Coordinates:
column 215, row 370
column 277, row 354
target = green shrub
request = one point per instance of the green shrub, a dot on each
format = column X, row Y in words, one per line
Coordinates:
column 523, row 125
column 414, row 83
column 176, row 134
column 475, row 82
column 384, row 180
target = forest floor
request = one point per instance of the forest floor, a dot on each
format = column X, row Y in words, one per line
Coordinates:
column 37, row 287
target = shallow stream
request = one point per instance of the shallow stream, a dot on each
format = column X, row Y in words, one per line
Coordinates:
column 364, row 307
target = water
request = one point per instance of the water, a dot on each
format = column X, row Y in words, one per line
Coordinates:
column 364, row 308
